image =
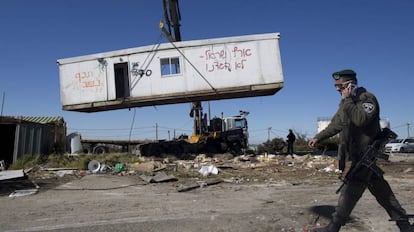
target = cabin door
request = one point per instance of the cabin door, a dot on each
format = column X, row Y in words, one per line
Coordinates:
column 121, row 80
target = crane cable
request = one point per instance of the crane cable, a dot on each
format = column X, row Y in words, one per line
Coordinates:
column 168, row 36
column 149, row 57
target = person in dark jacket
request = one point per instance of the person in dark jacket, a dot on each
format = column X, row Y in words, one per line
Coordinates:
column 290, row 141
column 357, row 123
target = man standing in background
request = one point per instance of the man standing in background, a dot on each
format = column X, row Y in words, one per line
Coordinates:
column 290, row 140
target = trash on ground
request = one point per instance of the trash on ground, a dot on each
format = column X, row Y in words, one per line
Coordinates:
column 24, row 192
column 62, row 173
column 119, row 167
column 160, row 177
column 11, row 174
column 206, row 170
column 94, row 166
column 198, row 185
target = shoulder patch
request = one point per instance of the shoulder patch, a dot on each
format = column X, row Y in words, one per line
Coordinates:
column 368, row 107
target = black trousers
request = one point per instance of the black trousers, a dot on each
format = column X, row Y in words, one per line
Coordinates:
column 378, row 186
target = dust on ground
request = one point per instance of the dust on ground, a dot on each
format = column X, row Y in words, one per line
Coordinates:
column 220, row 193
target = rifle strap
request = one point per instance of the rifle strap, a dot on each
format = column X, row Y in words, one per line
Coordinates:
column 343, row 149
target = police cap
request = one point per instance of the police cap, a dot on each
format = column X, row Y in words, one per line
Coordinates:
column 347, row 74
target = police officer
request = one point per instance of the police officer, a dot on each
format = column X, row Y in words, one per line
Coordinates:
column 357, row 122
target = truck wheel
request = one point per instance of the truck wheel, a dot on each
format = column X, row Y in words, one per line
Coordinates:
column 99, row 150
column 236, row 149
column 223, row 147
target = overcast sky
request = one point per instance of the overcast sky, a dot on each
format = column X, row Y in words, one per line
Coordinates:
column 375, row 38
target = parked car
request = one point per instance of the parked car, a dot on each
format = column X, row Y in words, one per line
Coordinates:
column 400, row 145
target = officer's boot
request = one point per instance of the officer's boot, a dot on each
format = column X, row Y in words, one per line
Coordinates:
column 405, row 226
column 346, row 203
column 333, row 226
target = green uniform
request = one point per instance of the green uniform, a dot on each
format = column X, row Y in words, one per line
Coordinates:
column 358, row 119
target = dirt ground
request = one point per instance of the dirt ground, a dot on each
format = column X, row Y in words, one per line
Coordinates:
column 247, row 194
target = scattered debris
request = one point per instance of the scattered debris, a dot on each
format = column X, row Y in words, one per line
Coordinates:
column 330, row 168
column 407, row 170
column 208, row 169
column 119, row 167
column 11, row 174
column 2, row 165
column 160, row 177
column 198, row 185
column 54, row 169
column 61, row 173
column 147, row 167
column 269, row 168
column 94, row 166
column 24, row 192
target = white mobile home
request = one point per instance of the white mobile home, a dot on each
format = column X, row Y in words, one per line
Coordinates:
column 189, row 71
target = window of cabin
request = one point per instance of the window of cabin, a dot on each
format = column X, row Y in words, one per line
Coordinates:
column 170, row 66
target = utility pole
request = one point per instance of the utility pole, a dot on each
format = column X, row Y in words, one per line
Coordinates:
column 156, row 131
column 408, row 129
column 268, row 133
column 2, row 103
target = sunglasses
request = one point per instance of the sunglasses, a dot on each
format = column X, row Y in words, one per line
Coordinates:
column 342, row 85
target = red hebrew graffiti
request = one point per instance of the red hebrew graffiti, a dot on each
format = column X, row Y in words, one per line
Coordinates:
column 237, row 52
column 83, row 75
column 235, row 58
column 86, row 80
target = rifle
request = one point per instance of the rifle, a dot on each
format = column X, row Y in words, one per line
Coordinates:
column 370, row 157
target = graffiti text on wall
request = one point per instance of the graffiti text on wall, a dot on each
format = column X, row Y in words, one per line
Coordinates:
column 86, row 80
column 227, row 59
column 136, row 71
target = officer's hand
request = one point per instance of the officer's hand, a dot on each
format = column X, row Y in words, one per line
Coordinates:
column 346, row 92
column 312, row 143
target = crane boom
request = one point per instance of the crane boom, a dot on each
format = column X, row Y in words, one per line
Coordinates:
column 172, row 17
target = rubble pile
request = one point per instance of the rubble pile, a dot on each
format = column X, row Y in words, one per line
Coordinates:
column 201, row 171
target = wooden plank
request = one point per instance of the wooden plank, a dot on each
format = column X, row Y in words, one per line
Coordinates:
column 198, row 185
column 11, row 174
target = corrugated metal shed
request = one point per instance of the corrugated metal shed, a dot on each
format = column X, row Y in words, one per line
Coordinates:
column 27, row 135
column 43, row 119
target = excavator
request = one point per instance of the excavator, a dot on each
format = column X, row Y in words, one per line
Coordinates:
column 217, row 135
